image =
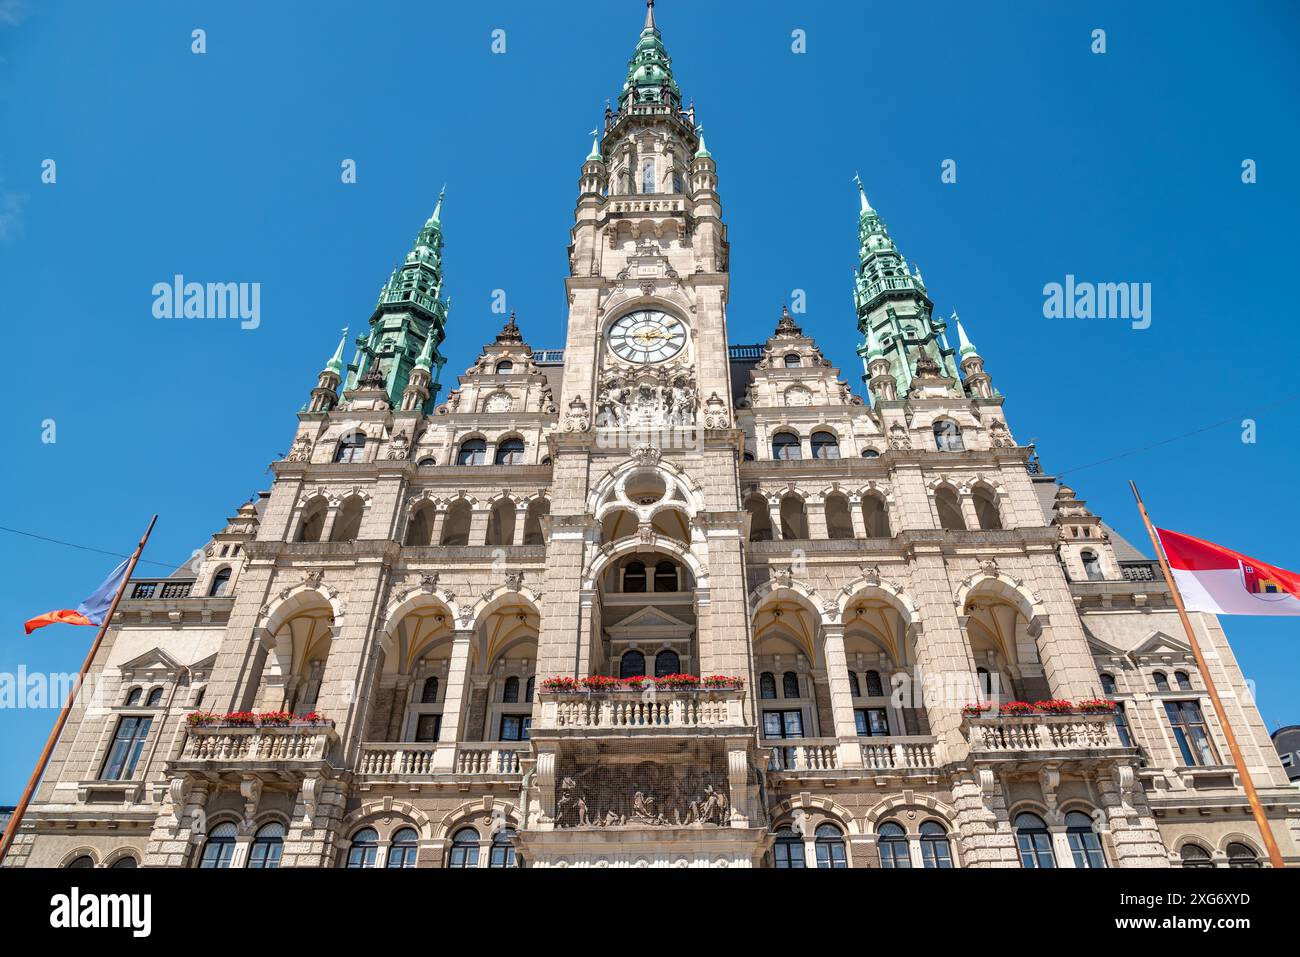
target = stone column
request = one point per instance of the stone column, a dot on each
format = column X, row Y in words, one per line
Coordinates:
column 478, row 523
column 816, row 512
column 521, row 520
column 454, row 699
column 856, row 516
column 837, row 673
column 774, row 516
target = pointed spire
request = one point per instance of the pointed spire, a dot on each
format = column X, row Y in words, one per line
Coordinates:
column 650, row 71
column 650, row 15
column 964, row 346
column 425, row 360
column 595, row 147
column 703, row 151
column 874, row 349
column 437, row 210
column 335, row 364
column 862, row 195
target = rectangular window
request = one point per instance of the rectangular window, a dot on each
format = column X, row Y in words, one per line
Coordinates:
column 128, row 742
column 1191, row 733
column 783, row 724
column 1121, row 726
column 427, row 727
column 871, row 722
column 515, row 727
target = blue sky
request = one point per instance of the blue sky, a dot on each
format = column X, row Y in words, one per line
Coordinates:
column 225, row 166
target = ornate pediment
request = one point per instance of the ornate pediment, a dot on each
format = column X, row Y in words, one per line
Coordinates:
column 650, row 622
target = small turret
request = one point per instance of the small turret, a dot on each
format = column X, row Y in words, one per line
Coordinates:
column 978, row 382
column 325, row 396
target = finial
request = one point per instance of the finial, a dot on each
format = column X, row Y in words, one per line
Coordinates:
column 437, row 210
column 335, row 364
column 703, row 151
column 862, row 193
column 650, row 15
column 595, row 146
column 964, row 346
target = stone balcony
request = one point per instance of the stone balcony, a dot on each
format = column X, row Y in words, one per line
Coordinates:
column 1043, row 738
column 796, row 759
column 274, row 752
column 418, row 762
column 623, row 713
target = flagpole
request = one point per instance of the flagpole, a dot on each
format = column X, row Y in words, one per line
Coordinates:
column 1261, row 821
column 12, row 830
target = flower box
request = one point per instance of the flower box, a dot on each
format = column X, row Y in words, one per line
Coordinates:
column 254, row 719
column 722, row 682
column 976, row 709
column 1016, row 709
column 1054, row 706
column 605, row 684
column 1097, row 706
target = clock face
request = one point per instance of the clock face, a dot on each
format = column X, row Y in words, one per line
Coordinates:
column 647, row 336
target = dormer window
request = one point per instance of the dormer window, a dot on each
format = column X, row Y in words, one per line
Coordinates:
column 648, row 178
column 352, row 448
column 505, row 366
column 792, row 360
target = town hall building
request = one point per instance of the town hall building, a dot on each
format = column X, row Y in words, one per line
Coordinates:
column 654, row 599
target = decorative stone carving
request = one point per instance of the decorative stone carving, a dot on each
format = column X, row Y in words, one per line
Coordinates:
column 999, row 436
column 301, row 451
column 645, row 794
column 898, row 437
column 649, row 397
column 715, row 413
column 400, row 447
column 577, row 419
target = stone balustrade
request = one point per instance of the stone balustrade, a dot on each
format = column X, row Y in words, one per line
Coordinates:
column 1020, row 735
column 900, row 753
column 404, row 760
column 878, row 754
column 804, row 754
column 662, row 711
column 237, row 747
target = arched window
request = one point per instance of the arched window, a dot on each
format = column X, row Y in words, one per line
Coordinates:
column 838, row 523
column 1034, row 842
column 785, row 445
column 631, row 665
column 503, row 849
column 455, row 527
column 220, row 582
column 155, row 698
column 472, row 452
column 510, row 691
column 501, row 523
column 425, row 463
column 854, row 689
column 935, row 850
column 767, row 685
column 825, row 446
column 787, row 850
column 794, row 520
column 219, row 847
column 528, row 689
column 667, row 663
column 510, row 452
column 747, row 456
column 875, row 689
column 313, row 521
column 760, row 519
column 792, row 360
column 1193, row 855
column 950, row 517
column 874, row 516
column 986, row 508
column 1107, row 684
column 505, row 366
column 268, row 845
column 538, row 509
column 364, row 849
column 403, row 850
column 125, row 863
column 1085, row 846
column 789, row 685
column 947, row 436
column 1161, row 680
column 634, row 577
column 891, row 839
column 1091, row 565
column 830, row 847
column 1242, row 855
column 870, row 454
column 419, row 530
column 464, row 848
column 78, row 863
column 1183, row 681
column 665, row 576
column 347, row 524
column 133, row 697
column 351, row 448
column 429, row 693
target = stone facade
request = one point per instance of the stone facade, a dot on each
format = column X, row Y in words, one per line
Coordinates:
column 652, row 500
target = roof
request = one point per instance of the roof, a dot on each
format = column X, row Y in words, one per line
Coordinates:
column 1045, row 487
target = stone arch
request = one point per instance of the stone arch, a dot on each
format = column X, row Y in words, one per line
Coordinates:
column 610, row 491
column 927, row 805
column 871, row 585
column 82, row 851
column 476, row 814
column 390, row 806
column 1027, row 602
column 824, row 805
column 118, row 853
column 656, row 543
column 414, row 601
column 490, row 602
column 770, row 590
column 295, row 599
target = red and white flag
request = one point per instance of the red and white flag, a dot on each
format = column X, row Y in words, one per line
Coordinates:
column 1223, row 582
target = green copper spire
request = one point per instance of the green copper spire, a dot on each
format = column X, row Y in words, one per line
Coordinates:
column 410, row 317
column 595, row 147
column 425, row 360
column 703, row 151
column 650, row 71
column 874, row 349
column 964, row 346
column 335, row 364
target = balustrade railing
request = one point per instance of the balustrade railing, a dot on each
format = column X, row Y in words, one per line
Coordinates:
column 235, row 746
column 1008, row 735
column 807, row 754
column 418, row 759
column 901, row 752
column 632, row 711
